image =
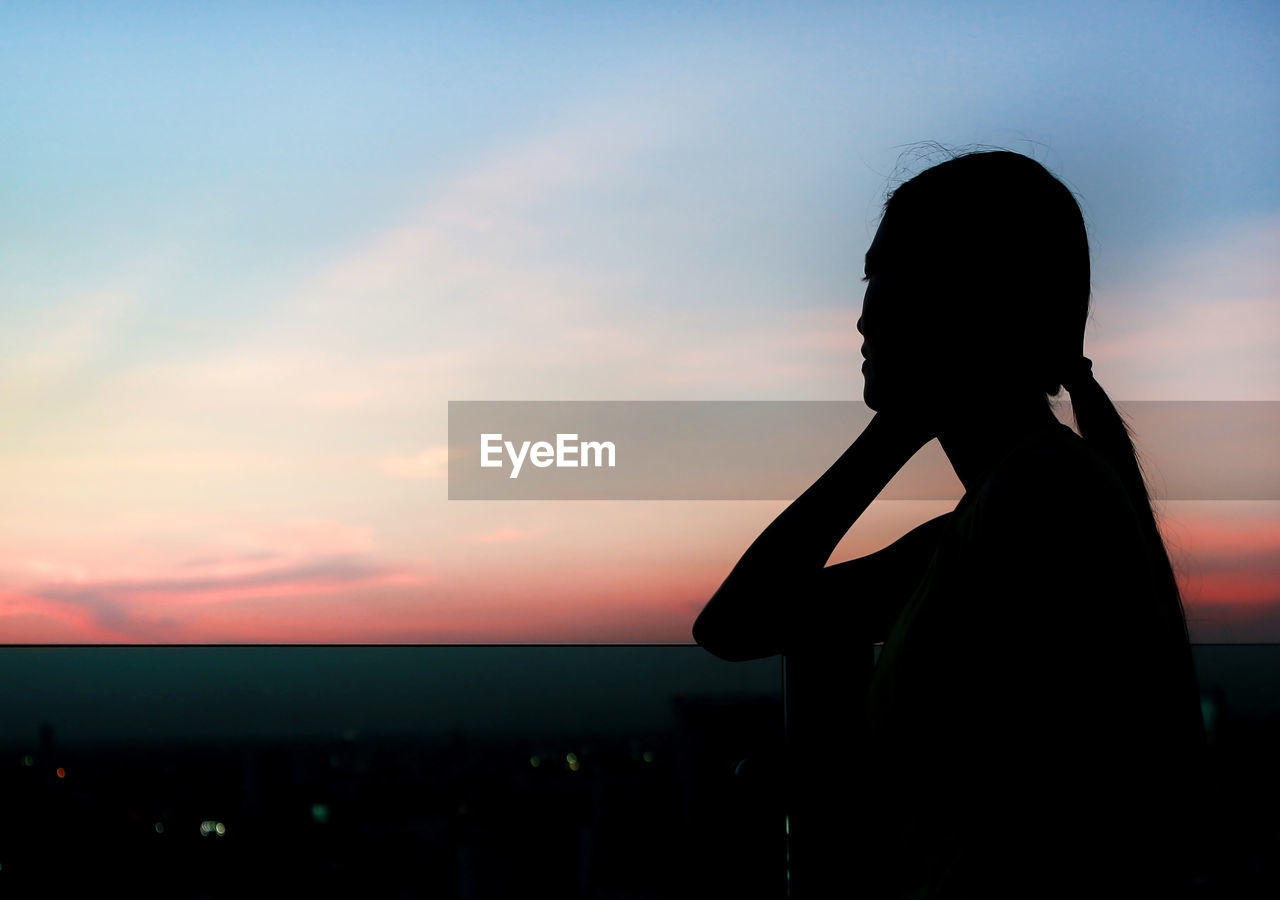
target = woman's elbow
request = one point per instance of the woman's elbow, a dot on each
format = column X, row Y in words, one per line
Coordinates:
column 724, row 644
column 708, row 638
column 706, row 635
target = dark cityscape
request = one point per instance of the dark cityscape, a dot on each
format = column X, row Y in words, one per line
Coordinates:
column 464, row 813
column 691, row 809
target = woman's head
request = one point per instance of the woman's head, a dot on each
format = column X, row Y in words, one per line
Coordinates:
column 978, row 281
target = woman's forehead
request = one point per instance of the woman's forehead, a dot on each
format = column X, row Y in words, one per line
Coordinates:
column 889, row 246
column 894, row 233
column 881, row 245
column 899, row 241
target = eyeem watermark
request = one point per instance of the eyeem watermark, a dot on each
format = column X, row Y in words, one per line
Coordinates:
column 564, row 455
column 775, row 449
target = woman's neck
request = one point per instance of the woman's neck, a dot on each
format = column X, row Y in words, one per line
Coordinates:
column 981, row 434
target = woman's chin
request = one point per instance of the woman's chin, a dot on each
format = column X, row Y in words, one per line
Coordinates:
column 878, row 399
column 872, row 392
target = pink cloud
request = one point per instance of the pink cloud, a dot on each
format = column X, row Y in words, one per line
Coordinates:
column 505, row 535
column 165, row 605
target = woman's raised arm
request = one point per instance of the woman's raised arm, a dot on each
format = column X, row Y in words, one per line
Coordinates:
column 782, row 584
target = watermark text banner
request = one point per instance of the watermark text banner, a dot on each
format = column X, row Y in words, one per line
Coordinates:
column 775, row 449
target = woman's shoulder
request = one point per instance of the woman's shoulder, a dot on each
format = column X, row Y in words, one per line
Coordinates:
column 1055, row 544
column 1055, row 481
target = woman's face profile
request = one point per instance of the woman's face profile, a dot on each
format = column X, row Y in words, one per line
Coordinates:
column 901, row 324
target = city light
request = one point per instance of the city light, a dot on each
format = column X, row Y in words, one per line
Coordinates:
column 535, row 761
column 320, row 813
column 62, row 773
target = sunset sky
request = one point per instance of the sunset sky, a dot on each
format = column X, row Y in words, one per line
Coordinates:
column 251, row 251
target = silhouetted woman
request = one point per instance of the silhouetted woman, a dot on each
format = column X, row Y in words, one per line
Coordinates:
column 1034, row 715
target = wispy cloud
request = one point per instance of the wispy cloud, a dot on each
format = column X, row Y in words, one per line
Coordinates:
column 58, row 339
column 160, row 606
column 430, row 463
column 1195, row 321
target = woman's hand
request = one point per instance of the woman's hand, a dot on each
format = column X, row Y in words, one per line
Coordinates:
column 752, row 611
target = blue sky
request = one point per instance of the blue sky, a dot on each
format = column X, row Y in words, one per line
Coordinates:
column 285, row 131
column 249, row 251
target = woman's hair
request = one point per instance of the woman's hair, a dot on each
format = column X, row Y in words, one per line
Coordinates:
column 1006, row 217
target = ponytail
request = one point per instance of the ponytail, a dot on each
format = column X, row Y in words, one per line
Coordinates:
column 1100, row 423
column 1106, row 431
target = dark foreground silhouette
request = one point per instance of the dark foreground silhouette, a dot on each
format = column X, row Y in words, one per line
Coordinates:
column 1033, row 726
